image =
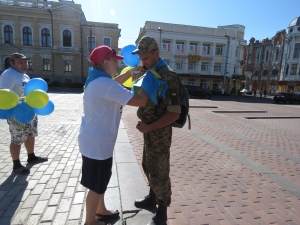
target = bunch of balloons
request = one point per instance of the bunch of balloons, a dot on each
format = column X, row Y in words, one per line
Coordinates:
column 36, row 101
column 130, row 60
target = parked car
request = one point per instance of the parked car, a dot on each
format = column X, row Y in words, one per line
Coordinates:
column 287, row 97
column 196, row 91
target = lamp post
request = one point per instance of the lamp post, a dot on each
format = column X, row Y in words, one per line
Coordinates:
column 226, row 61
column 159, row 38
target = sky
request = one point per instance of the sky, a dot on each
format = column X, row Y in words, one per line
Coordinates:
column 261, row 18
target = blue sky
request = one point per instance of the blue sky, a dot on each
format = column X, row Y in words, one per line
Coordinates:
column 262, row 18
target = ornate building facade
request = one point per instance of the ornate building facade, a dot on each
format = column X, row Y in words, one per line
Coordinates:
column 262, row 63
column 55, row 36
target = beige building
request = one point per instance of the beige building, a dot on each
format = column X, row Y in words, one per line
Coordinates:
column 55, row 36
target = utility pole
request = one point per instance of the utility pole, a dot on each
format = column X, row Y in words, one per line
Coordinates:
column 159, row 38
column 226, row 61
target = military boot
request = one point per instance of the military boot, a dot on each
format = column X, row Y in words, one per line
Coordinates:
column 160, row 217
column 146, row 201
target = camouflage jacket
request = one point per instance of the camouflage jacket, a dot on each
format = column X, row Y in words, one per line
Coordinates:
column 151, row 112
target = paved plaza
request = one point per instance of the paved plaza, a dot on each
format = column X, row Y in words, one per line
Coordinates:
column 239, row 164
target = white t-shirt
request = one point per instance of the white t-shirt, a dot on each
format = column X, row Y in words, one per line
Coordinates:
column 103, row 102
column 14, row 80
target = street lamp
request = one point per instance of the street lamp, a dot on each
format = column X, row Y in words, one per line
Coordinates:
column 159, row 38
column 226, row 61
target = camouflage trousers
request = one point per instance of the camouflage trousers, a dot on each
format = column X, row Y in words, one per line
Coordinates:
column 19, row 132
column 156, row 163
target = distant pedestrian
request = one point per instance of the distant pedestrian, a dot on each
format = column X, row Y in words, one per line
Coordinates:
column 261, row 93
column 254, row 92
column 265, row 93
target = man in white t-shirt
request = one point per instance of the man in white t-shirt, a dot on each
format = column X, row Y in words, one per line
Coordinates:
column 103, row 102
column 15, row 79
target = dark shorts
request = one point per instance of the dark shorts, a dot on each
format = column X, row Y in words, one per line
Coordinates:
column 96, row 174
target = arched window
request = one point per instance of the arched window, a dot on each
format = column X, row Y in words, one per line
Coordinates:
column 256, row 73
column 8, row 34
column 265, row 73
column 274, row 73
column 67, row 38
column 27, row 36
column 45, row 37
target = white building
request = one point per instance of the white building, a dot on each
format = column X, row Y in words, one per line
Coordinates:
column 198, row 54
column 290, row 70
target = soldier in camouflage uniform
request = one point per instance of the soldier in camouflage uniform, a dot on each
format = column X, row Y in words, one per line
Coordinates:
column 156, row 127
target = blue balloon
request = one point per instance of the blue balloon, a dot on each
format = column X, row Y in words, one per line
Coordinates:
column 5, row 114
column 129, row 59
column 23, row 113
column 35, row 83
column 46, row 110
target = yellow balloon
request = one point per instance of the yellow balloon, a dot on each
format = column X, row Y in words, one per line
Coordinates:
column 129, row 81
column 8, row 99
column 37, row 98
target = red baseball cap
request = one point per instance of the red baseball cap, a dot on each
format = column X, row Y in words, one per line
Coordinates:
column 103, row 52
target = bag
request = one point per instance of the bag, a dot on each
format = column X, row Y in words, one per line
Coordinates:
column 184, row 100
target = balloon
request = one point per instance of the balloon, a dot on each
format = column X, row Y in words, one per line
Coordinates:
column 23, row 113
column 8, row 99
column 35, row 83
column 46, row 110
column 129, row 81
column 5, row 114
column 129, row 59
column 37, row 98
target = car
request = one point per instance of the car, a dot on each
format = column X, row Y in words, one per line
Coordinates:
column 287, row 97
column 196, row 91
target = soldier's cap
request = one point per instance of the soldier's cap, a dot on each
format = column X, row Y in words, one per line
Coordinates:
column 103, row 52
column 17, row 56
column 145, row 45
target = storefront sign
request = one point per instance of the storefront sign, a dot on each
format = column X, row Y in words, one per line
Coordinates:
column 201, row 57
column 194, row 57
column 180, row 56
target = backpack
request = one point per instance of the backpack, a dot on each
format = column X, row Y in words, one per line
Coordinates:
column 183, row 97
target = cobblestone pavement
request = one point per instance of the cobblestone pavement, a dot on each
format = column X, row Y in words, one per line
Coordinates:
column 235, row 166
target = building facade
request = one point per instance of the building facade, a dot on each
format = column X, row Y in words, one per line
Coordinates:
column 198, row 54
column 55, row 36
column 289, row 79
column 262, row 63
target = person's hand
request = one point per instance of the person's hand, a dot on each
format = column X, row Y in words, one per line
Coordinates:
column 142, row 127
column 141, row 72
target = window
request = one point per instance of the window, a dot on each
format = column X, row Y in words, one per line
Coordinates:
column 46, row 64
column 192, row 81
column 265, row 73
column 257, row 58
column 192, row 65
column 29, row 64
column 8, row 34
column 106, row 41
column 256, row 74
column 166, row 46
column 296, row 50
column 204, row 66
column 274, row 73
column 27, row 36
column 45, row 37
column 193, row 47
column 68, row 67
column 205, row 49
column 267, row 55
column 293, row 69
column 179, row 46
column 178, row 64
column 91, row 43
column 219, row 50
column 67, row 38
column 217, row 67
column 287, row 70
column 204, row 83
column 277, row 53
column 217, row 84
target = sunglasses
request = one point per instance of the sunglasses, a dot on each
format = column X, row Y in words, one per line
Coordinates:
column 111, row 51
